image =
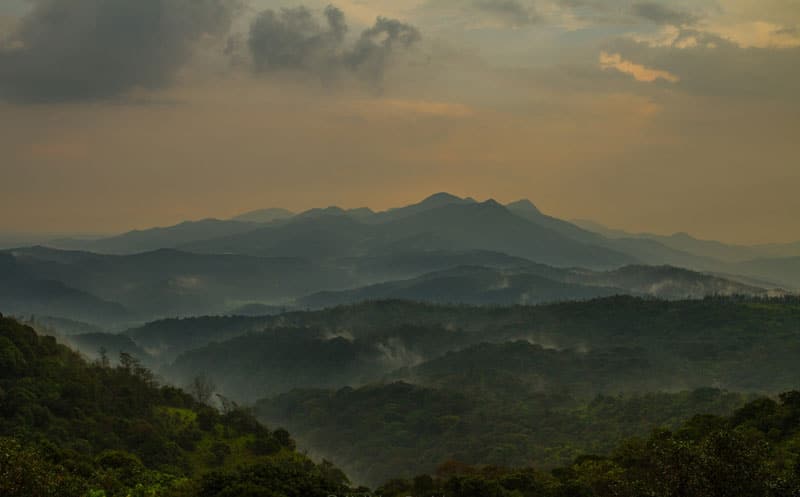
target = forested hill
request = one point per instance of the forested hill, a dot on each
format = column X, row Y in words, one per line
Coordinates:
column 752, row 453
column 69, row 428
column 73, row 429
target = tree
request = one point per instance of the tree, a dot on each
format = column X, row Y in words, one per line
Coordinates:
column 202, row 388
column 219, row 452
column 228, row 406
column 24, row 473
column 104, row 362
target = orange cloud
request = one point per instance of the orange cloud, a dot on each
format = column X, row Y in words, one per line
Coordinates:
column 638, row 71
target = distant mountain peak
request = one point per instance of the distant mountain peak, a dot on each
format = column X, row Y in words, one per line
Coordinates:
column 362, row 210
column 323, row 211
column 441, row 198
column 264, row 215
column 524, row 204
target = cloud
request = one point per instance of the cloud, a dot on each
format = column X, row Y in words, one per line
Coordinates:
column 638, row 71
column 72, row 50
column 711, row 65
column 511, row 11
column 371, row 52
column 293, row 39
column 661, row 14
column 480, row 13
column 622, row 12
column 758, row 34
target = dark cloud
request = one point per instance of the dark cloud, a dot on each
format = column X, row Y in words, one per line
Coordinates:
column 294, row 39
column 68, row 50
column 371, row 52
column 623, row 12
column 513, row 13
column 661, row 14
column 510, row 11
column 710, row 65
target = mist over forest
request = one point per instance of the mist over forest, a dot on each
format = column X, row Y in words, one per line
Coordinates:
column 399, row 248
column 442, row 338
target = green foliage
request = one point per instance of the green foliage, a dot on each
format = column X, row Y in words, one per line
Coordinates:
column 285, row 476
column 604, row 346
column 752, row 453
column 69, row 428
column 25, row 472
column 383, row 431
column 75, row 429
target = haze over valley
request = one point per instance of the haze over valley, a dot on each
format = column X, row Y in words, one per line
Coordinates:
column 399, row 248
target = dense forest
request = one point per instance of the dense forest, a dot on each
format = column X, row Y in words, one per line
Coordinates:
column 390, row 389
column 752, row 453
column 71, row 428
column 379, row 432
column 610, row 345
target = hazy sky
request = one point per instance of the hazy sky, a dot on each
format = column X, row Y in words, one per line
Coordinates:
column 668, row 115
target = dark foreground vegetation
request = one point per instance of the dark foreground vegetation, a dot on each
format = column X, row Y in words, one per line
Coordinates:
column 70, row 428
column 381, row 432
column 753, row 453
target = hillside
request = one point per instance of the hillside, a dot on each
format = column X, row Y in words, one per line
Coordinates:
column 438, row 223
column 70, row 428
column 327, row 235
column 530, row 385
column 527, row 283
column 750, row 452
column 465, row 285
column 400, row 430
column 168, row 283
column 264, row 215
column 23, row 291
column 491, row 226
column 685, row 242
column 785, row 270
column 508, row 403
column 332, row 256
column 734, row 343
column 159, row 238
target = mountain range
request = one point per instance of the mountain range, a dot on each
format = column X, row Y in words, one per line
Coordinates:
column 443, row 249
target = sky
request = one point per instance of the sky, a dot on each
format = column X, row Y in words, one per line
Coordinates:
column 659, row 116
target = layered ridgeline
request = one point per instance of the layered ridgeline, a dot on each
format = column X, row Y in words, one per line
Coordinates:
column 733, row 343
column 393, row 388
column 71, row 428
column 167, row 283
column 444, row 249
column 535, row 284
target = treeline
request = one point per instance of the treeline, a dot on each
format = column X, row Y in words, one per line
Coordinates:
column 753, row 453
column 398, row 430
column 748, row 345
column 69, row 428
